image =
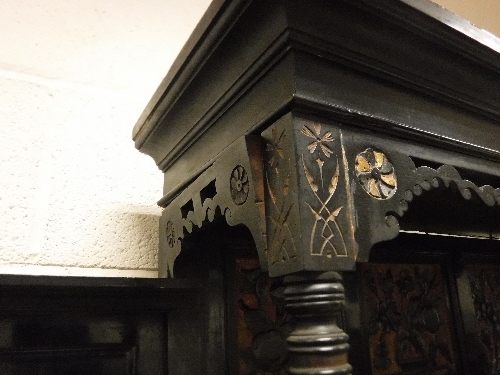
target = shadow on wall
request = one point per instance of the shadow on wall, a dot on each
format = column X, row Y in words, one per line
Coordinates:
column 129, row 238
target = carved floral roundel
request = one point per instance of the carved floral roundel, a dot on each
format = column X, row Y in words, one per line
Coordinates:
column 239, row 185
column 376, row 174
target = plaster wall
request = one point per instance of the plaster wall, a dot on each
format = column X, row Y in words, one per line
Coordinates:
column 76, row 197
column 484, row 14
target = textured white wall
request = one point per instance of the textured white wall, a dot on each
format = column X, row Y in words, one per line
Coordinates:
column 485, row 14
column 76, row 197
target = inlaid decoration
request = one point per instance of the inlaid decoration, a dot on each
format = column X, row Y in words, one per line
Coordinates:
column 376, row 174
column 485, row 286
column 407, row 319
column 239, row 185
column 320, row 142
column 326, row 238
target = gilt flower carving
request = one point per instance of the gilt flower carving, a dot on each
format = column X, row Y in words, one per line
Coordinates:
column 376, row 174
column 318, row 139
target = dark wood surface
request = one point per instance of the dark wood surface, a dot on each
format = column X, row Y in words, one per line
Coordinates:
column 396, row 295
column 80, row 325
column 406, row 68
column 430, row 20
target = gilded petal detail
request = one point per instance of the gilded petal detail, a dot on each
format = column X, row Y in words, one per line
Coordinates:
column 379, row 159
column 362, row 164
column 373, row 188
column 388, row 179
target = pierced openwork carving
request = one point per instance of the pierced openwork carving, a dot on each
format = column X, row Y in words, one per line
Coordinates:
column 325, row 226
column 444, row 176
column 378, row 219
column 239, row 185
column 376, row 174
column 212, row 194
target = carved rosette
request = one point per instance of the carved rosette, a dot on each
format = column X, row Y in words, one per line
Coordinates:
column 384, row 184
column 239, row 185
column 230, row 187
column 376, row 174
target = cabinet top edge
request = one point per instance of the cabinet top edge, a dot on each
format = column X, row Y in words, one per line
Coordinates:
column 422, row 18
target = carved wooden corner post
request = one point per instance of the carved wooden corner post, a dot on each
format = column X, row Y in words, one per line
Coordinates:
column 310, row 237
column 331, row 193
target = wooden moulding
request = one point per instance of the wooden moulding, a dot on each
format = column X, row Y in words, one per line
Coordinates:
column 408, row 68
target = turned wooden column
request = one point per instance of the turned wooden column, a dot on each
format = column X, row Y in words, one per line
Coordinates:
column 316, row 345
column 310, row 237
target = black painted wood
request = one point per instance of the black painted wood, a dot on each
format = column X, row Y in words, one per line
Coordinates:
column 316, row 344
column 393, row 62
column 77, row 325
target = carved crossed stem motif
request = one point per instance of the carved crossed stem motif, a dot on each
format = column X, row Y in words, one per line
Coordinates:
column 170, row 230
column 324, row 214
column 281, row 231
column 278, row 177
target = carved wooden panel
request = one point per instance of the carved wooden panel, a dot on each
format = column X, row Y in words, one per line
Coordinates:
column 281, row 201
column 321, row 160
column 408, row 321
column 485, row 289
column 309, row 206
column 230, row 187
column 262, row 322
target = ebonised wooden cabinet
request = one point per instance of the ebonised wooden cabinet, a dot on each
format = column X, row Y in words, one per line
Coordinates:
column 331, row 173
